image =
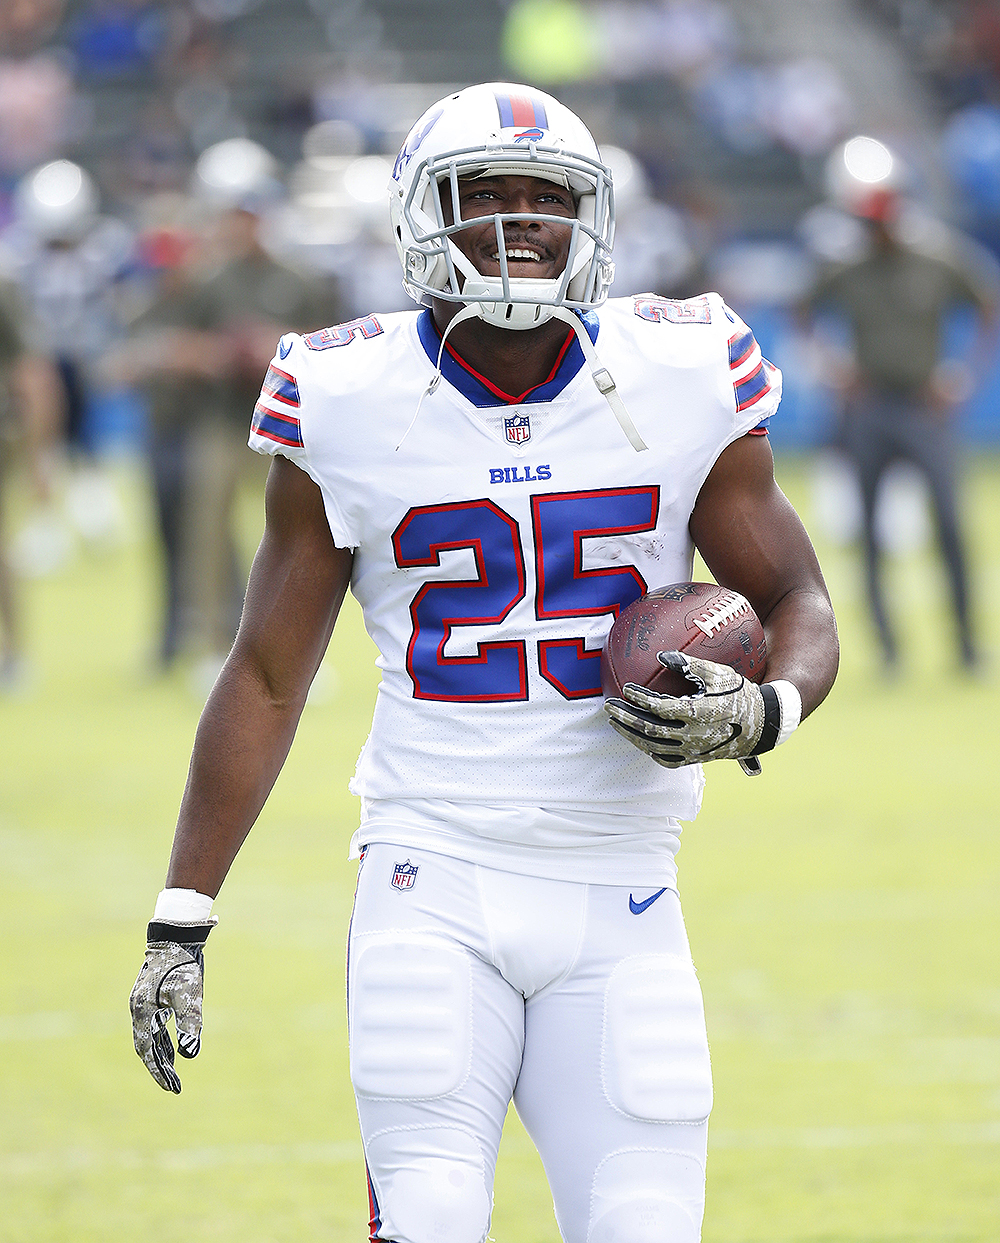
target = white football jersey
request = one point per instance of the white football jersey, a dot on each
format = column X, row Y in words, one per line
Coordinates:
column 496, row 541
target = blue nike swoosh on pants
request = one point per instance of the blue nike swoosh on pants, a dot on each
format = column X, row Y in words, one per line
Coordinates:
column 637, row 908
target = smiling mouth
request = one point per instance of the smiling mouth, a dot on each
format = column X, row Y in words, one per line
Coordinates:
column 516, row 254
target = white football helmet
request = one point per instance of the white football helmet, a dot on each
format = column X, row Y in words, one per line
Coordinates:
column 496, row 129
column 57, row 201
column 237, row 173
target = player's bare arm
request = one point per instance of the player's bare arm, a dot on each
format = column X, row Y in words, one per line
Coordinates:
column 296, row 588
column 752, row 541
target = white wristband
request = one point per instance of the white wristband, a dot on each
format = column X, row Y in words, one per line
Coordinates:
column 790, row 702
column 182, row 906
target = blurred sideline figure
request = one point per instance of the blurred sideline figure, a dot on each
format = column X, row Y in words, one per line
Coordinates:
column 242, row 306
column 28, row 415
column 900, row 398
column 171, row 364
column 69, row 262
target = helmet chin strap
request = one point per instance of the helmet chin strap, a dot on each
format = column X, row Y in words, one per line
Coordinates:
column 602, row 377
column 599, row 373
column 467, row 312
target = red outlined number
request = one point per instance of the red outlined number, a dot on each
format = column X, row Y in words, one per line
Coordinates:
column 561, row 523
column 499, row 671
column 343, row 334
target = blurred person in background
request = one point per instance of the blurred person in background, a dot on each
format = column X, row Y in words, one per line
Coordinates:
column 172, row 363
column 900, row 398
column 70, row 263
column 242, row 305
column 28, row 417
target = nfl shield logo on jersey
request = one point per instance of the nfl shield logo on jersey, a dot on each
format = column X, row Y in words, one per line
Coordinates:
column 404, row 875
column 518, row 429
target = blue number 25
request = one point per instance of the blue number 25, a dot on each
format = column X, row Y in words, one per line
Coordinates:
column 560, row 522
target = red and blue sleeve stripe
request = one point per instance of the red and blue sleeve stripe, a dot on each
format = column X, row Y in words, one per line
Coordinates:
column 744, row 352
column 753, row 388
column 741, row 346
column 284, row 429
column 281, row 426
column 523, row 110
column 281, row 386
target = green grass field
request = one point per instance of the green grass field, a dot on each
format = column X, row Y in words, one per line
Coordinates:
column 843, row 911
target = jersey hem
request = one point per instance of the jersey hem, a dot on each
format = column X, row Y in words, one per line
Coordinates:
column 648, row 805
column 624, row 872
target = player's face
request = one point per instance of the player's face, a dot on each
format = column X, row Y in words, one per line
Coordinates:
column 535, row 248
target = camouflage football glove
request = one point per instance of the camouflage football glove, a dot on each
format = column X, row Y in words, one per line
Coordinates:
column 725, row 717
column 170, row 982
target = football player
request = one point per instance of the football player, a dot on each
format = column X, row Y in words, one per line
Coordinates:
column 495, row 476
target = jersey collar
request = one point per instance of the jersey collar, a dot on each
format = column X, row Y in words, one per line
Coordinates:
column 480, row 391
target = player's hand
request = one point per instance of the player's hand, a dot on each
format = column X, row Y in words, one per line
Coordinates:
column 170, row 983
column 722, row 719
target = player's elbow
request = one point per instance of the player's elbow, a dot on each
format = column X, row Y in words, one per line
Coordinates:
column 271, row 688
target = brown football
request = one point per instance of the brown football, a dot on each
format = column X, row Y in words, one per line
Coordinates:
column 698, row 619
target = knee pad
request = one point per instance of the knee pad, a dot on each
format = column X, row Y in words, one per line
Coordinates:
column 655, row 1062
column 429, row 1185
column 647, row 1197
column 409, row 1016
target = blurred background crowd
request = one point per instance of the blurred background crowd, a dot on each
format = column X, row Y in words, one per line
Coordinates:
column 181, row 181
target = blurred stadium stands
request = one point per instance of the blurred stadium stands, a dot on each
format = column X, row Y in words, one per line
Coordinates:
column 730, row 110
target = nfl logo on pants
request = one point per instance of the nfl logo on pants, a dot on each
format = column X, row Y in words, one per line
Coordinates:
column 404, row 875
column 517, row 429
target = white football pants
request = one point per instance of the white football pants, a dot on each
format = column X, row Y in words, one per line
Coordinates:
column 469, row 986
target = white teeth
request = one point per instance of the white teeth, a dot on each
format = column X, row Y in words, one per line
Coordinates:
column 520, row 254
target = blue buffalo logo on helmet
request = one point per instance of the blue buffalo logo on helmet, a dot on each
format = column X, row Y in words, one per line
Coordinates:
column 530, row 135
column 517, row 429
column 415, row 137
column 404, row 875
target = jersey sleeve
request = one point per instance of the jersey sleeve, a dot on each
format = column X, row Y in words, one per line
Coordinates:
column 276, row 425
column 279, row 426
column 756, row 381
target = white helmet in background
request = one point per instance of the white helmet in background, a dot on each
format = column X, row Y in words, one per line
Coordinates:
column 237, row 173
column 865, row 178
column 57, row 201
column 497, row 129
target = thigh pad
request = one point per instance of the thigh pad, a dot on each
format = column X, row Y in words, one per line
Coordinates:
column 655, row 1062
column 410, row 997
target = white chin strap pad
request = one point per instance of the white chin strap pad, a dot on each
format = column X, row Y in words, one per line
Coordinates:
column 518, row 316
